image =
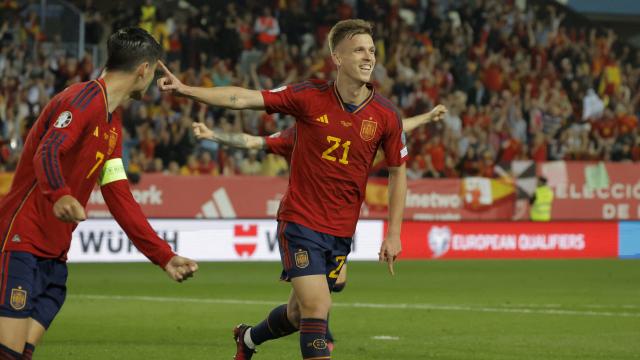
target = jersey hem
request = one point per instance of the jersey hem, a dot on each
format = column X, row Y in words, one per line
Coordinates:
column 319, row 229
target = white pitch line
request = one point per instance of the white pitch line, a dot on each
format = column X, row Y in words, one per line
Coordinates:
column 434, row 307
column 588, row 306
column 385, row 337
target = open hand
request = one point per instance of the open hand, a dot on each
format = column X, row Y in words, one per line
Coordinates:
column 180, row 268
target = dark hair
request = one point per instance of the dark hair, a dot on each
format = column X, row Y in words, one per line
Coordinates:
column 129, row 47
column 346, row 29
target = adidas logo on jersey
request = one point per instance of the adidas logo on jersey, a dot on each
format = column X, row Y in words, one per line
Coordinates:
column 323, row 119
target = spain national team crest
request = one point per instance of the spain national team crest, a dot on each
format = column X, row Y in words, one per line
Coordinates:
column 18, row 298
column 368, row 129
column 302, row 259
column 319, row 344
column 113, row 140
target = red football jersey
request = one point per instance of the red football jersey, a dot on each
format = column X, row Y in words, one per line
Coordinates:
column 281, row 143
column 64, row 154
column 333, row 152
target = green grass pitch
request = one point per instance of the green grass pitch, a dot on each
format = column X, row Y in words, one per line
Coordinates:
column 555, row 309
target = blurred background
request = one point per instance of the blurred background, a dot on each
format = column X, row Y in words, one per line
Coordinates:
column 543, row 99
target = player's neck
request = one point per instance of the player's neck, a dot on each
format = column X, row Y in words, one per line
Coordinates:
column 352, row 92
column 118, row 89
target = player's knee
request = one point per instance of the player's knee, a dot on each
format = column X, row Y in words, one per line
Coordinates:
column 339, row 286
column 316, row 307
column 293, row 314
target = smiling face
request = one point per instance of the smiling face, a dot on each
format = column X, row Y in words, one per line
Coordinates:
column 355, row 57
column 352, row 49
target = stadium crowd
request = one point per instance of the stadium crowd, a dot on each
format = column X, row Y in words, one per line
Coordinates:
column 518, row 83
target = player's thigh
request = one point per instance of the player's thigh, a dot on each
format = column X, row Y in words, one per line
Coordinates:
column 35, row 332
column 53, row 283
column 342, row 277
column 303, row 251
column 313, row 295
column 13, row 333
column 17, row 281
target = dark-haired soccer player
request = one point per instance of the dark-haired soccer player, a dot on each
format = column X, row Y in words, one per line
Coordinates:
column 339, row 127
column 75, row 143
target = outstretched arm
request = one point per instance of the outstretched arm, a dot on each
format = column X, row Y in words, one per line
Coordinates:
column 436, row 114
column 230, row 97
column 236, row 140
column 129, row 216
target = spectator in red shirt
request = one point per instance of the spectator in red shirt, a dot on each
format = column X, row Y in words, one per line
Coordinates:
column 267, row 27
column 487, row 165
column 626, row 123
column 435, row 156
column 147, row 142
column 539, row 148
column 606, row 129
column 206, row 164
column 417, row 169
column 511, row 148
column 470, row 164
column 470, row 118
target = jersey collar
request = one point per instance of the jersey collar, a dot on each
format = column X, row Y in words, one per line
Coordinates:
column 362, row 105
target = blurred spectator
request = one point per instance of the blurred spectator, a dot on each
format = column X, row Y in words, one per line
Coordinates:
column 207, row 166
column 192, row 167
column 148, row 13
column 250, row 165
column 266, row 27
column 274, row 165
column 520, row 83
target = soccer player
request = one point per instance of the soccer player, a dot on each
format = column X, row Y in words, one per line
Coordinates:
column 281, row 143
column 76, row 142
column 339, row 127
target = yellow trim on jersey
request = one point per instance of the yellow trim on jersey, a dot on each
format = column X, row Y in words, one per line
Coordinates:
column 113, row 170
column 361, row 106
column 15, row 215
column 106, row 102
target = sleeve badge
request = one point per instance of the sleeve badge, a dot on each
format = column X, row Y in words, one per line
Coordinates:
column 63, row 120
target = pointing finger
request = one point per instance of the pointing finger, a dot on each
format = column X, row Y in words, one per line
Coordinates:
column 164, row 67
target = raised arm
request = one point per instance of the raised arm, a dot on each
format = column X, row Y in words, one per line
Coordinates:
column 231, row 97
column 436, row 114
column 236, row 140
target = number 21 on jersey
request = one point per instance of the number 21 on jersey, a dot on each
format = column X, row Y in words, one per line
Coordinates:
column 335, row 143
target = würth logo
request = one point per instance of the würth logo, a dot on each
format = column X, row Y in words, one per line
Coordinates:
column 245, row 239
column 219, row 206
column 323, row 119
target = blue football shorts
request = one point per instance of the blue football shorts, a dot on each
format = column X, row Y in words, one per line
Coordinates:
column 308, row 252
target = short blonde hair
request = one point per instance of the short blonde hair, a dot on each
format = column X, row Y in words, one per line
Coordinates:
column 346, row 29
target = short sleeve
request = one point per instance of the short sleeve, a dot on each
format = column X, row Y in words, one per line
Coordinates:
column 281, row 143
column 289, row 99
column 394, row 142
